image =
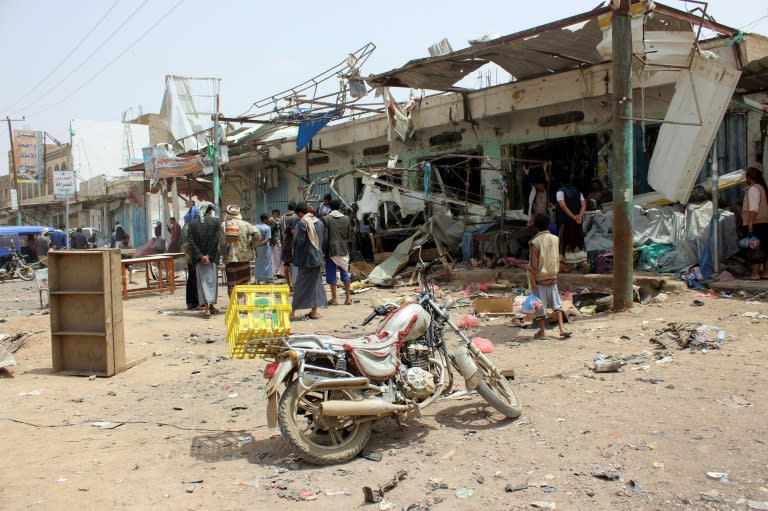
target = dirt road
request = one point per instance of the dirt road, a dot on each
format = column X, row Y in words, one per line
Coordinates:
column 675, row 429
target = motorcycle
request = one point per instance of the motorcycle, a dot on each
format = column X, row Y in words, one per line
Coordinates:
column 335, row 387
column 17, row 266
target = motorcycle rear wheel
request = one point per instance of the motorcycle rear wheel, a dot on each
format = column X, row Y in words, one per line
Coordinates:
column 320, row 440
column 495, row 388
column 26, row 272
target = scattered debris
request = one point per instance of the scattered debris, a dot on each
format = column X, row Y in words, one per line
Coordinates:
column 371, row 455
column 377, row 495
column 465, row 492
column 543, row 504
column 605, row 364
column 468, row 321
column 106, row 424
column 483, row 344
column 632, row 488
column 513, row 487
column 495, row 305
column 691, row 335
column 335, row 493
column 605, row 473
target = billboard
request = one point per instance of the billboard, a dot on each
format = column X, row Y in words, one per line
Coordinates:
column 28, row 156
column 160, row 163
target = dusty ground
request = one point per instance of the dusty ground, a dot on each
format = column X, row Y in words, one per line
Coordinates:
column 660, row 425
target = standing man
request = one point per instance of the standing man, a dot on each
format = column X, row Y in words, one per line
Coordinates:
column 190, row 217
column 240, row 238
column 59, row 237
column 204, row 248
column 308, row 258
column 277, row 244
column 325, row 207
column 288, row 228
column 338, row 235
column 569, row 217
column 77, row 239
column 174, row 235
column 42, row 244
column 262, row 269
column 543, row 268
column 117, row 235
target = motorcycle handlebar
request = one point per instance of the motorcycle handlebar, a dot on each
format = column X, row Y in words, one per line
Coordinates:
column 370, row 317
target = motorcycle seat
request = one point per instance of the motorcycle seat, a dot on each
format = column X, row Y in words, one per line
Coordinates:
column 376, row 356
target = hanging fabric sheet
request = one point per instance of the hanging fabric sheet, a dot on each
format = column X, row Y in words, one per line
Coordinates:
column 312, row 127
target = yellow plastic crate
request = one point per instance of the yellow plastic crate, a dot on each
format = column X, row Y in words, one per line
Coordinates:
column 258, row 317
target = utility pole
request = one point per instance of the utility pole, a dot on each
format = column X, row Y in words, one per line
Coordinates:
column 623, row 153
column 216, row 151
column 13, row 170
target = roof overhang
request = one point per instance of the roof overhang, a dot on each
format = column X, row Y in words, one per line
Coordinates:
column 564, row 45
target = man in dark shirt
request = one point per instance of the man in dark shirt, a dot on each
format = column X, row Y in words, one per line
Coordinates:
column 308, row 290
column 77, row 239
column 338, row 235
column 204, row 235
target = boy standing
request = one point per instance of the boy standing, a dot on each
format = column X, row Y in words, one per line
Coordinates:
column 543, row 268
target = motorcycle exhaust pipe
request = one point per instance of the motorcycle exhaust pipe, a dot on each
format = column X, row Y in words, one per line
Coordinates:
column 467, row 367
column 338, row 407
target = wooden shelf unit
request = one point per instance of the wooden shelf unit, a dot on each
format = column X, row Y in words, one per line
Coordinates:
column 86, row 312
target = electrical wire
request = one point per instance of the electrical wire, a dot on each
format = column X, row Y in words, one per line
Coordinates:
column 754, row 22
column 81, row 64
column 134, row 43
column 72, row 51
column 184, row 428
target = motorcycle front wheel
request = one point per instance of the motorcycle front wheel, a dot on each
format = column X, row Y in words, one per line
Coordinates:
column 495, row 388
column 26, row 272
column 319, row 439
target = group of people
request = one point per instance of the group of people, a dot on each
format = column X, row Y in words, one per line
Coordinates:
column 297, row 246
column 555, row 246
column 56, row 239
column 569, row 213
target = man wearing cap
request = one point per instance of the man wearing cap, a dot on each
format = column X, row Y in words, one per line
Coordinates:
column 240, row 239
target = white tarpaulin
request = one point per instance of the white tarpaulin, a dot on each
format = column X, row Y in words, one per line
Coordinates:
column 685, row 227
column 701, row 98
column 187, row 109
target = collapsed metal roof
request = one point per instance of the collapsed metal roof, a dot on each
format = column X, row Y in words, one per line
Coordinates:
column 560, row 46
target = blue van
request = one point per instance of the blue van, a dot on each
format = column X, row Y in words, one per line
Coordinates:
column 22, row 237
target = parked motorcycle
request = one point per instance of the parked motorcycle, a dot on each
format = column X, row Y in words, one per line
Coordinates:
column 17, row 266
column 335, row 387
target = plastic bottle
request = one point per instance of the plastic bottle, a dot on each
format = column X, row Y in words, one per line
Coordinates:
column 721, row 337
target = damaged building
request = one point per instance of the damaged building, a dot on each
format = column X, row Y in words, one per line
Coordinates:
column 697, row 85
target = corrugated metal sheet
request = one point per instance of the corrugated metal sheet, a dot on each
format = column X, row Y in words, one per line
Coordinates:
column 681, row 150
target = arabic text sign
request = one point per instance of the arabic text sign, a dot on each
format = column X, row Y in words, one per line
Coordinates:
column 63, row 183
column 28, row 156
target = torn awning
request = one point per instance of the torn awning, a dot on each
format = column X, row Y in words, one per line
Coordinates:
column 551, row 48
column 564, row 45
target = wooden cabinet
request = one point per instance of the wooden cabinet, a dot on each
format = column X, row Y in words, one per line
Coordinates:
column 86, row 312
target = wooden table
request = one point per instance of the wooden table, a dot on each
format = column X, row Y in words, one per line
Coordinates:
column 165, row 277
